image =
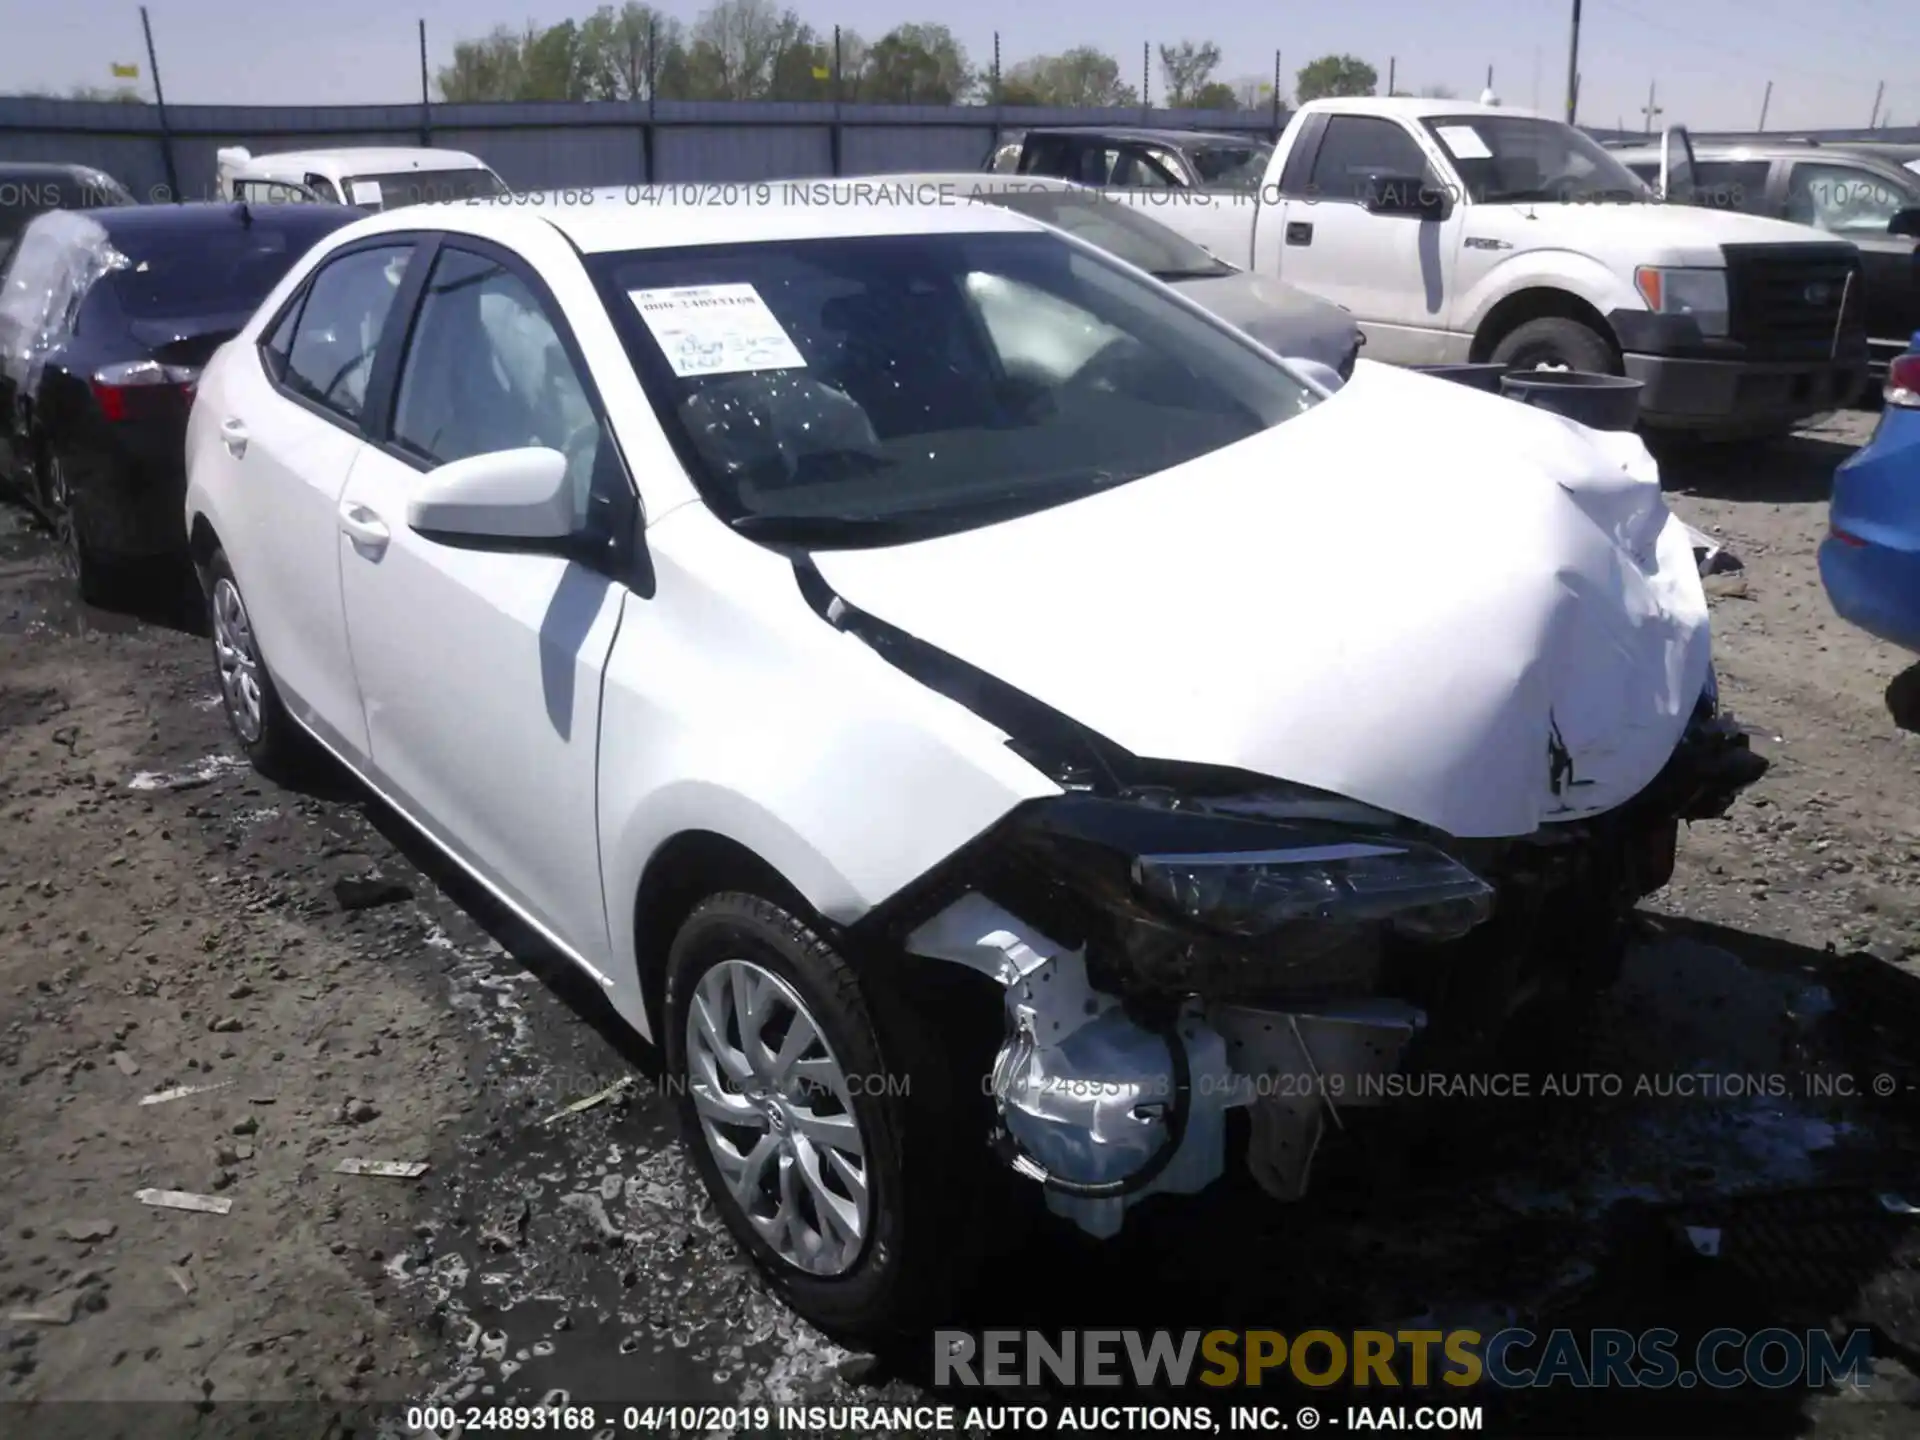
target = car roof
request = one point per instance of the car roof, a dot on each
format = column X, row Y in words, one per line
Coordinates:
column 362, row 159
column 133, row 224
column 1157, row 135
column 667, row 217
column 1416, row 107
column 1783, row 148
column 48, row 168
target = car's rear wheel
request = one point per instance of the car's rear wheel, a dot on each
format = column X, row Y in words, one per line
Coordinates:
column 258, row 719
column 829, row 1164
column 66, row 517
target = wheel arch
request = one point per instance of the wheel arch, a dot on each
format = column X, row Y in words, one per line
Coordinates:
column 1537, row 302
column 686, row 869
column 202, row 541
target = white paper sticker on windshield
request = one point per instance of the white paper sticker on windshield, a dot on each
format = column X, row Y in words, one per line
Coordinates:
column 365, row 192
column 716, row 329
column 1464, row 141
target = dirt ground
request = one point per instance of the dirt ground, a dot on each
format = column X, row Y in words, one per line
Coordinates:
column 331, row 992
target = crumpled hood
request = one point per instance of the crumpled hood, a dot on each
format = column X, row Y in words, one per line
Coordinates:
column 1286, row 320
column 1442, row 603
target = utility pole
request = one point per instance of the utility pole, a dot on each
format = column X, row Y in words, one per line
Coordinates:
column 166, row 130
column 1651, row 109
column 1276, row 97
column 1878, row 95
column 1765, row 101
column 1146, row 77
column 426, row 96
column 1393, row 66
column 1573, row 67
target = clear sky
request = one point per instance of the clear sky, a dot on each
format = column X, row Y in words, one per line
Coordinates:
column 1711, row 59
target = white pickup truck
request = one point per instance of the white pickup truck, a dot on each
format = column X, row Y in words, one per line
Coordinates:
column 1459, row 232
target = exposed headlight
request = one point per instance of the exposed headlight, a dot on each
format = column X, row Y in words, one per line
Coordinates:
column 1253, row 866
column 1419, row 890
column 1697, row 292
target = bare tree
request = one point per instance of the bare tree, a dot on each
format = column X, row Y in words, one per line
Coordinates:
column 1185, row 70
column 736, row 45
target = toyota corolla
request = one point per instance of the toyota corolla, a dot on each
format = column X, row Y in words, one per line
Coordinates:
column 982, row 716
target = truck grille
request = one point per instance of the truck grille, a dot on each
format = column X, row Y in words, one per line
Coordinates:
column 1786, row 299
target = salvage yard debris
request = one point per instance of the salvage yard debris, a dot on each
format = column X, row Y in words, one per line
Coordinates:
column 181, row 1277
column 87, row 1231
column 183, row 1200
column 180, row 1092
column 395, row 1169
column 599, row 1097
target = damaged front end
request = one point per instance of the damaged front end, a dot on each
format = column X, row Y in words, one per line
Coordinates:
column 1176, row 941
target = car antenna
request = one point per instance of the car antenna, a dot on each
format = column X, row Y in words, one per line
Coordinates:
column 246, row 215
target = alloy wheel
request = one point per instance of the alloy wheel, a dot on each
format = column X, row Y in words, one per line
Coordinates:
column 776, row 1113
column 238, row 660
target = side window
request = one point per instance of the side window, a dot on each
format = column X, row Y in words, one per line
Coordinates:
column 1841, row 198
column 330, row 358
column 324, row 188
column 486, row 370
column 277, row 344
column 270, row 192
column 1144, row 169
column 1729, row 184
column 1357, row 146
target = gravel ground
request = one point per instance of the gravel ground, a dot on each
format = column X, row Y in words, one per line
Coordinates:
column 169, row 920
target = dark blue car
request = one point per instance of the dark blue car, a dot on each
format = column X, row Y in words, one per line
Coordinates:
column 1870, row 560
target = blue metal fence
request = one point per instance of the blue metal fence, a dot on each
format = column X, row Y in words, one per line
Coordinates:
column 555, row 144
column 542, row 145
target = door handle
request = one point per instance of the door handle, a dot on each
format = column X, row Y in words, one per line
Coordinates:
column 363, row 527
column 1299, row 232
column 233, row 435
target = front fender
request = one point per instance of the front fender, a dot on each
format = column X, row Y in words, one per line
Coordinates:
column 1567, row 271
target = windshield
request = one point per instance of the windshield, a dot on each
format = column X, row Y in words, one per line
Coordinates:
column 875, row 389
column 1521, row 158
column 417, row 187
column 1230, row 167
column 1116, row 228
column 203, row 271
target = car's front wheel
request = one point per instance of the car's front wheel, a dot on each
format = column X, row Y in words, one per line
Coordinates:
column 258, row 719
column 825, row 1161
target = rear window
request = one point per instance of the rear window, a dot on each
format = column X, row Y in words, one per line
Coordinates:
column 418, row 187
column 1231, row 167
column 211, row 271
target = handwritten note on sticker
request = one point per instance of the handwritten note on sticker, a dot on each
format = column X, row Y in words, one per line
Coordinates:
column 1464, row 141
column 365, row 192
column 716, row 329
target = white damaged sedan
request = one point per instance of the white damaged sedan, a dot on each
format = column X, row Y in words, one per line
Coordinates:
column 981, row 716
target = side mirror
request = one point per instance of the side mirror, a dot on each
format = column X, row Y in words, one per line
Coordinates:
column 500, row 498
column 1409, row 195
column 1905, row 222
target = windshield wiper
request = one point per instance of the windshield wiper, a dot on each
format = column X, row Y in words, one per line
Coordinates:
column 1212, row 272
column 904, row 526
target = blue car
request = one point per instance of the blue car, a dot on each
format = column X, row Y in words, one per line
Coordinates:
column 1870, row 560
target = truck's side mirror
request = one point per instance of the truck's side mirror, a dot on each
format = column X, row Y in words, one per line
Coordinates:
column 1905, row 222
column 1410, row 195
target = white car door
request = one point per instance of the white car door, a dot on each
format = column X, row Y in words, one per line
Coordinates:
column 480, row 668
column 1394, row 272
column 289, row 424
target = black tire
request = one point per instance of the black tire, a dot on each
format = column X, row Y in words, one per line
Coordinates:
column 274, row 743
column 1555, row 341
column 922, row 1177
column 98, row 581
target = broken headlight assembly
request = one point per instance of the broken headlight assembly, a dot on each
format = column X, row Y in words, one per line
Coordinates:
column 1265, row 869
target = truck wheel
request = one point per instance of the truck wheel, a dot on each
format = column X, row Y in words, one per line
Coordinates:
column 832, row 1168
column 1554, row 342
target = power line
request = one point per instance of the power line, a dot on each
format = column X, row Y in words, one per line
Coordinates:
column 1721, row 48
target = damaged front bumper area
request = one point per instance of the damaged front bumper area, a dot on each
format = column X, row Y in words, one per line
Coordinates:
column 1178, row 947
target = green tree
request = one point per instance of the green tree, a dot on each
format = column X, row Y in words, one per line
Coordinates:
column 553, row 64
column 116, row 94
column 623, row 51
column 1333, row 75
column 736, row 46
column 916, row 65
column 1186, row 70
column 1215, row 95
column 1080, row 78
column 492, row 67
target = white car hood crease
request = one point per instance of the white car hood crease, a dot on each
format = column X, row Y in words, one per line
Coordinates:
column 1407, row 595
